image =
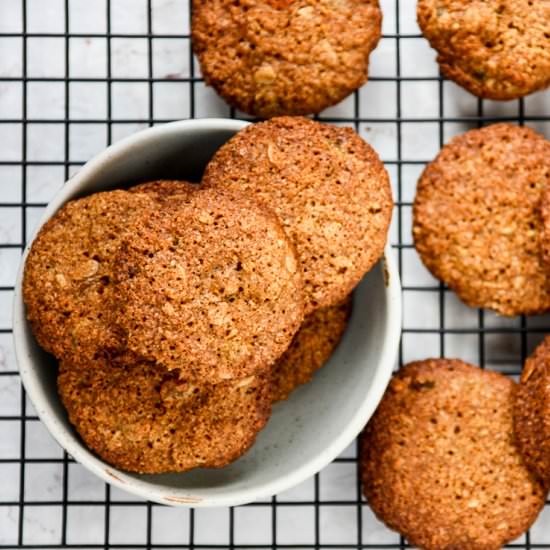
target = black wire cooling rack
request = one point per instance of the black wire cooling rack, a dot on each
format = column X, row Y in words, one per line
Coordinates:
column 76, row 75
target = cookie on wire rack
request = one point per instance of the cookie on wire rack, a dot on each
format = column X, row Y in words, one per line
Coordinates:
column 532, row 412
column 496, row 49
column 283, row 57
column 329, row 189
column 545, row 214
column 477, row 222
column 439, row 462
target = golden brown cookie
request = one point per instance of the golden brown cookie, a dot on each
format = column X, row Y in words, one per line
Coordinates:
column 311, row 348
column 545, row 214
column 277, row 57
column 477, row 222
column 329, row 189
column 532, row 412
column 209, row 285
column 496, row 49
column 143, row 418
column 161, row 190
column 439, row 463
column 69, row 274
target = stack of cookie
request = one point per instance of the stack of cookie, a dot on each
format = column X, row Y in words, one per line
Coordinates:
column 179, row 312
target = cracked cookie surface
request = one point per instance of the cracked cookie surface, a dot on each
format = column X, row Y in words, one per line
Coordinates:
column 162, row 191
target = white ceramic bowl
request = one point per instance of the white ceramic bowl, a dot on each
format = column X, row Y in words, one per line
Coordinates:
column 305, row 433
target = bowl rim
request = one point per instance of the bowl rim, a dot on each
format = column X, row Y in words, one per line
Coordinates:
column 179, row 496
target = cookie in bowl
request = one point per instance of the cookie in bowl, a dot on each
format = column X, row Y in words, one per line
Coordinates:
column 339, row 401
column 311, row 347
column 69, row 275
column 209, row 285
column 328, row 188
column 143, row 418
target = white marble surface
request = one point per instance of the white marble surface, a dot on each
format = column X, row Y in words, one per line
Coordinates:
column 87, row 101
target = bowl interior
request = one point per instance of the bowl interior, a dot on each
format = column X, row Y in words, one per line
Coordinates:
column 306, row 432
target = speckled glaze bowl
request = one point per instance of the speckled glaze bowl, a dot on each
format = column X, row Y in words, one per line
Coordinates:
column 306, row 432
